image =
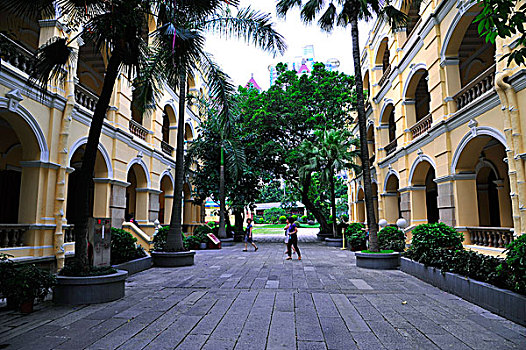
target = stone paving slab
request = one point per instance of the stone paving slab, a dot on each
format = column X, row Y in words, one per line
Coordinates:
column 265, row 302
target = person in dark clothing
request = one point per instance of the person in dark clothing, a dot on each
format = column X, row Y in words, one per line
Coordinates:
column 293, row 239
column 248, row 236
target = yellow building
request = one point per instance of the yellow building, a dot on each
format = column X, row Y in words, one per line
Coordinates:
column 445, row 126
column 42, row 138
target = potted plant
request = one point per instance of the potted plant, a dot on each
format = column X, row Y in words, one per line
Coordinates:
column 391, row 241
column 22, row 284
column 166, row 258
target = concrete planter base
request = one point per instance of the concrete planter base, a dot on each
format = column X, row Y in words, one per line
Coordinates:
column 89, row 290
column 136, row 265
column 173, row 259
column 378, row 261
column 333, row 242
column 500, row 301
column 227, row 242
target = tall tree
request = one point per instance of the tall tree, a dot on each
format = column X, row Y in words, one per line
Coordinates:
column 179, row 53
column 331, row 152
column 287, row 114
column 343, row 13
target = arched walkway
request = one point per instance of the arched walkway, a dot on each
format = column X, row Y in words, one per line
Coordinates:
column 137, row 193
column 391, row 198
column 360, row 206
column 483, row 180
column 424, row 191
column 22, row 148
column 417, row 100
column 166, row 198
column 99, row 191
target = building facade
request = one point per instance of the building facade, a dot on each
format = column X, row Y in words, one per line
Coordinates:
column 42, row 140
column 445, row 117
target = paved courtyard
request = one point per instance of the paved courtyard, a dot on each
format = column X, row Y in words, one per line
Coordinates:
column 257, row 300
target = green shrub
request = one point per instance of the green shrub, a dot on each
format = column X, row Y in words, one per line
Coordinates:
column 356, row 237
column 354, row 227
column 201, row 232
column 272, row 215
column 391, row 238
column 26, row 283
column 124, row 247
column 159, row 239
column 294, row 217
column 211, row 224
column 515, row 266
column 428, row 238
column 282, row 219
column 344, row 218
column 303, row 218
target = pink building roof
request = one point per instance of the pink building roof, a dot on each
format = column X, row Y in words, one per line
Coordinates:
column 253, row 84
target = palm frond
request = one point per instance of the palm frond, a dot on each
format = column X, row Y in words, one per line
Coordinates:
column 310, row 10
column 326, row 21
column 253, row 26
column 29, row 8
column 396, row 18
column 283, row 6
column 221, row 90
column 236, row 161
column 50, row 62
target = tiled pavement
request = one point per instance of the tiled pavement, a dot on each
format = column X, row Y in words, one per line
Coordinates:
column 257, row 300
column 305, row 235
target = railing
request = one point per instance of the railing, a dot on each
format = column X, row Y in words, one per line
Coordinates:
column 498, row 237
column 11, row 235
column 422, row 126
column 475, row 89
column 85, row 98
column 165, row 146
column 391, row 147
column 14, row 53
column 385, row 75
column 138, row 130
column 68, row 233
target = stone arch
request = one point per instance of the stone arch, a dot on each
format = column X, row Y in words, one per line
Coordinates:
column 386, row 109
column 381, row 47
column 467, row 10
column 424, row 190
column 389, row 174
column 105, row 155
column 392, row 197
column 412, row 79
column 475, row 131
column 414, row 173
column 142, row 164
column 189, row 131
column 360, row 205
column 166, row 186
column 27, row 128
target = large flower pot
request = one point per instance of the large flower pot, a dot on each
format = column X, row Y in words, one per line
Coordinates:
column 173, row 259
column 333, row 242
column 89, row 290
column 379, row 261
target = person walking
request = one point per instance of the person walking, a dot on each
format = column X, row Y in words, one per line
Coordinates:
column 248, row 236
column 293, row 239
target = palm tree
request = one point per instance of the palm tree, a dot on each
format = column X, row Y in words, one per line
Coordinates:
column 342, row 13
column 178, row 53
column 330, row 153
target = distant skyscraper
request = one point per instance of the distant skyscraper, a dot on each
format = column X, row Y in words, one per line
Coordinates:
column 303, row 64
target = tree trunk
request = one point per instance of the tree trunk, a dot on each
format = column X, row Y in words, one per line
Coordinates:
column 174, row 240
column 372, row 224
column 238, row 215
column 88, row 163
column 309, row 205
column 333, row 205
column 222, row 207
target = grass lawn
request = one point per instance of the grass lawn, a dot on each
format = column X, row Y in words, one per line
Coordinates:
column 282, row 226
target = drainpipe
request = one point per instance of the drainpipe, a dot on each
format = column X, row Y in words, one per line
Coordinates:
column 513, row 133
column 60, row 187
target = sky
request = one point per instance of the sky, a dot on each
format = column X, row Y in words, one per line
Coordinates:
column 240, row 60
